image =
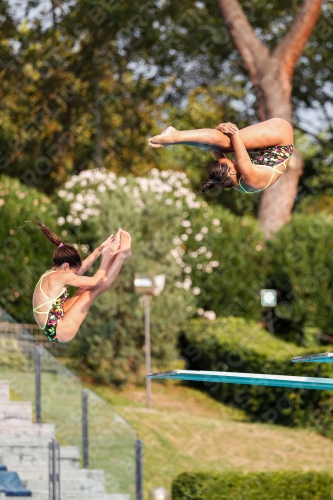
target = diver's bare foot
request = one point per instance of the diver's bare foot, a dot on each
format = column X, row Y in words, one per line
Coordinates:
column 168, row 137
column 125, row 245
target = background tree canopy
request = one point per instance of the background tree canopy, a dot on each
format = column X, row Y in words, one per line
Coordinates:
column 86, row 84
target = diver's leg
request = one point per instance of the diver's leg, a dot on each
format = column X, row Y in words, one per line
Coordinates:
column 273, row 132
column 76, row 308
column 206, row 138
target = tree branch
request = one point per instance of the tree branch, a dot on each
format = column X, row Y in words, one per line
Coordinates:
column 293, row 43
column 252, row 51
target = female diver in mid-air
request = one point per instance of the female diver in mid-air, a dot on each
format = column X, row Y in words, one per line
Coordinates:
column 273, row 140
column 58, row 316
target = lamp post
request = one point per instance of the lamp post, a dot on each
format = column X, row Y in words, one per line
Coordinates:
column 148, row 284
column 269, row 299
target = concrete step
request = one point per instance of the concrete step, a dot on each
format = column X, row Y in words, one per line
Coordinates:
column 91, row 476
column 83, row 480
column 26, row 429
column 4, row 391
column 117, row 496
column 15, row 412
column 68, row 496
column 38, row 495
column 69, row 457
column 4, row 497
column 25, row 441
column 40, row 476
column 21, row 461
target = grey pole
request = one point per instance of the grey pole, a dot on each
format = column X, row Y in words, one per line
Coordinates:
column 38, row 385
column 85, row 437
column 54, row 470
column 269, row 316
column 147, row 349
column 139, row 470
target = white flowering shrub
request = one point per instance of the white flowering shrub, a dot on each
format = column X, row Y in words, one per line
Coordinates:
column 152, row 209
column 207, row 254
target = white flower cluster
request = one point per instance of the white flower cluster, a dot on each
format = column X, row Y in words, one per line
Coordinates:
column 83, row 194
column 171, row 186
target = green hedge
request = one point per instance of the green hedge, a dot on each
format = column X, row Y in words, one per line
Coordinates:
column 224, row 255
column 298, row 262
column 233, row 344
column 25, row 253
column 253, row 486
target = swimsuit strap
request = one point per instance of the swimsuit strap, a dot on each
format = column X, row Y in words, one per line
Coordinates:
column 270, row 180
column 41, row 280
column 35, row 309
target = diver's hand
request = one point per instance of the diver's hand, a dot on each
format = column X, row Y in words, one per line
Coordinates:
column 111, row 246
column 227, row 128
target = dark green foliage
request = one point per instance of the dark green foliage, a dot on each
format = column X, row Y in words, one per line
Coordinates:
column 299, row 263
column 253, row 486
column 236, row 345
column 25, row 253
column 224, row 252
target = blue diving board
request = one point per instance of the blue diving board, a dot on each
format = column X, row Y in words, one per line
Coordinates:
column 11, row 485
column 3, row 467
column 247, row 379
column 325, row 357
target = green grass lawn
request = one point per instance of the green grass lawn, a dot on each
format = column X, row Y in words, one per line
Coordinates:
column 188, row 431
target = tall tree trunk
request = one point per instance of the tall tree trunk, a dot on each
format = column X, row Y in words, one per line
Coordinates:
column 277, row 202
column 271, row 75
column 98, row 150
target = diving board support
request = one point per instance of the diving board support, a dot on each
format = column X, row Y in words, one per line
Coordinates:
column 247, row 379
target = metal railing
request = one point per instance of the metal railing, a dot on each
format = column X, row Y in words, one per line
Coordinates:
column 105, row 440
column 54, row 470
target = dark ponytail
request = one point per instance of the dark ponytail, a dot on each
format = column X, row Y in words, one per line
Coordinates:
column 219, row 175
column 65, row 251
column 207, row 186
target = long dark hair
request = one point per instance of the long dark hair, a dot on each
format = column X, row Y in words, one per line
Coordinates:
column 218, row 175
column 65, row 251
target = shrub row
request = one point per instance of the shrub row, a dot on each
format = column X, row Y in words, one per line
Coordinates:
column 252, row 486
column 233, row 344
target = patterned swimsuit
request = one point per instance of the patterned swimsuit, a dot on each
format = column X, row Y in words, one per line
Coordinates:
column 55, row 312
column 270, row 157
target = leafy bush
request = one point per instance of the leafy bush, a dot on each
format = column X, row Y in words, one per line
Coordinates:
column 252, row 486
column 236, row 345
column 173, row 233
column 299, row 264
column 152, row 209
column 25, row 253
column 223, row 256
